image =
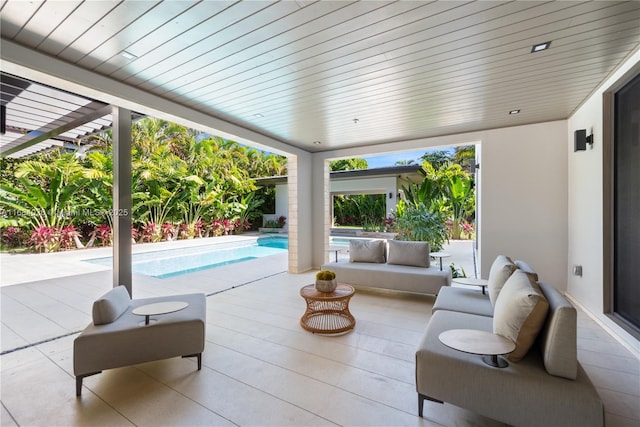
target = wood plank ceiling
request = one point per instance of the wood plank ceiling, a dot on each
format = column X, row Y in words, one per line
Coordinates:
column 304, row 71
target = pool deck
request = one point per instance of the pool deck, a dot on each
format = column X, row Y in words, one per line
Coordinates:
column 26, row 268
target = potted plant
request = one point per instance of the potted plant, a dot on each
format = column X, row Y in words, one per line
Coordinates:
column 326, row 281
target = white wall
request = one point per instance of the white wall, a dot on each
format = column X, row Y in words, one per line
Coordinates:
column 282, row 200
column 585, row 244
column 523, row 213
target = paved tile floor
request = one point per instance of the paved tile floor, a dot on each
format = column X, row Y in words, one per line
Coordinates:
column 260, row 367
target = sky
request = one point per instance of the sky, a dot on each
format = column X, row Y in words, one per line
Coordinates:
column 391, row 158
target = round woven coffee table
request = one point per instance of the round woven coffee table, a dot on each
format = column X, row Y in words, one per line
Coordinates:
column 327, row 312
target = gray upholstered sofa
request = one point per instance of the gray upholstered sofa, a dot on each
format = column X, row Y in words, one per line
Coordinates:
column 116, row 337
column 544, row 386
column 395, row 265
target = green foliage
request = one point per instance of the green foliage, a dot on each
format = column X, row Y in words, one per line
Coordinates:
column 353, row 163
column 438, row 159
column 374, row 225
column 447, row 191
column 359, row 209
column 417, row 223
column 325, row 275
column 180, row 180
column 457, row 272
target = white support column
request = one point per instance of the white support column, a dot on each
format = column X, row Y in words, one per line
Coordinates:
column 122, row 198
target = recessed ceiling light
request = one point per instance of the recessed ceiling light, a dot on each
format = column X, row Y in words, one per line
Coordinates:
column 541, row 46
column 127, row 55
column 317, row 142
column 258, row 115
column 514, row 112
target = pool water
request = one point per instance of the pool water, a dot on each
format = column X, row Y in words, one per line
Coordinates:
column 175, row 262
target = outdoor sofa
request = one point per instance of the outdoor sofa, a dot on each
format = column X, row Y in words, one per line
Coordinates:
column 393, row 264
column 118, row 338
column 543, row 385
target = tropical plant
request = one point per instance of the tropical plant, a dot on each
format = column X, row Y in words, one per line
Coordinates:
column 353, row 163
column 246, row 211
column 13, row 237
column 358, row 209
column 457, row 272
column 460, row 199
column 416, row 223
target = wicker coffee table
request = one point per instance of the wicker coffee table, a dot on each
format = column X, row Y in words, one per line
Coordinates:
column 327, row 312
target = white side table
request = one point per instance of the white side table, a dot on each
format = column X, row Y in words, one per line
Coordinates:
column 469, row 281
column 485, row 343
column 440, row 255
column 336, row 250
column 158, row 308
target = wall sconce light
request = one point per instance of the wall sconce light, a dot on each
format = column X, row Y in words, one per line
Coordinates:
column 580, row 140
column 3, row 119
column 390, row 195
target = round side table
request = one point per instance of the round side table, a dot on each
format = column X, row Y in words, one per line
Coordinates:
column 440, row 255
column 485, row 343
column 327, row 312
column 158, row 308
column 469, row 281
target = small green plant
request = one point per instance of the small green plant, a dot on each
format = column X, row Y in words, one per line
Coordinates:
column 457, row 272
column 272, row 223
column 374, row 225
column 325, row 275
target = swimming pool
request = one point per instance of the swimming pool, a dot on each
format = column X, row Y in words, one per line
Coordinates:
column 175, row 262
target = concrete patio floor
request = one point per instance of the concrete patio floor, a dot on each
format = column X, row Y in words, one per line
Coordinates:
column 259, row 366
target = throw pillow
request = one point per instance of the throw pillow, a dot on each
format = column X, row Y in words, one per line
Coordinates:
column 520, row 312
column 111, row 305
column 408, row 253
column 527, row 269
column 367, row 251
column 501, row 270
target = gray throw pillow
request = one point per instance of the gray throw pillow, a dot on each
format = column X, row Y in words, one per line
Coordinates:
column 408, row 253
column 367, row 251
column 520, row 312
column 111, row 305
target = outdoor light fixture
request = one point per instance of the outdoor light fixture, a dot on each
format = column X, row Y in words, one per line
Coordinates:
column 580, row 140
column 317, row 142
column 512, row 112
column 3, row 119
column 258, row 116
column 540, row 47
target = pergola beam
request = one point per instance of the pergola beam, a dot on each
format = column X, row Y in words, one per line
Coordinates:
column 86, row 118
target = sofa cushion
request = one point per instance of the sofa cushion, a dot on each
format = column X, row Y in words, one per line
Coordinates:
column 500, row 271
column 558, row 339
column 408, row 253
column 367, row 251
column 520, row 312
column 111, row 305
column 463, row 300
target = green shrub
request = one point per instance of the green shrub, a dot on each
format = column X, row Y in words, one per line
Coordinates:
column 325, row 275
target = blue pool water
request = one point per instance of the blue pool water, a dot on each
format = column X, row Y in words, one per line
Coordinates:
column 175, row 262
